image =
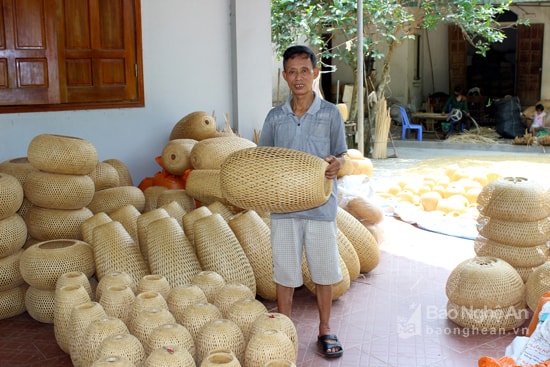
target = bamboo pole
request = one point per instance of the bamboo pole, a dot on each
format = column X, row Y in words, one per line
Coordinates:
column 382, row 129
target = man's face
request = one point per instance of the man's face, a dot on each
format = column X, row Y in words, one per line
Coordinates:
column 299, row 74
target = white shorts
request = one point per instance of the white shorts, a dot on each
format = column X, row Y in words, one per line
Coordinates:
column 289, row 238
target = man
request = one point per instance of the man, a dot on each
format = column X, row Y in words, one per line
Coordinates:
column 310, row 124
column 457, row 101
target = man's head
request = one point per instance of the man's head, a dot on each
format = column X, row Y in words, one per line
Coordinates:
column 300, row 69
column 299, row 50
column 458, row 90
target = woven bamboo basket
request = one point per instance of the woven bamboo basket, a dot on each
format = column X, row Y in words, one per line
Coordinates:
column 176, row 156
column 485, row 282
column 209, row 282
column 276, row 180
column 96, row 332
column 117, row 301
column 514, row 233
column 266, row 345
column 87, row 227
column 24, row 208
column 230, row 293
column 50, row 224
column 279, row 363
column 40, row 304
column 109, row 200
column 152, row 194
column 9, row 268
column 170, row 334
column 114, row 278
column 537, row 284
column 220, row 358
column 42, row 264
column 514, row 199
column 11, row 195
column 183, row 296
column 211, row 153
column 170, row 356
column 122, row 345
column 124, row 175
column 147, row 300
column 254, row 236
column 113, row 361
column 338, row 289
column 276, row 321
column 220, row 334
column 488, row 319
column 204, row 185
column 170, row 252
column 147, row 320
column 525, row 273
column 222, row 209
column 175, row 210
column 349, row 255
column 81, row 317
column 197, row 315
column 197, row 125
column 516, row 256
column 128, row 216
column 66, row 298
column 190, row 218
column 75, row 278
column 104, row 176
column 12, row 301
column 154, row 283
column 114, row 250
column 361, row 239
column 62, row 154
column 244, row 312
column 219, row 250
column 18, row 168
column 178, row 195
column 143, row 222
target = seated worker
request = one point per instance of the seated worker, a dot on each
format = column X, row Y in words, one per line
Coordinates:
column 538, row 120
column 456, row 101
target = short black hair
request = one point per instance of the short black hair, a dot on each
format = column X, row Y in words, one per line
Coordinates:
column 539, row 107
column 293, row 51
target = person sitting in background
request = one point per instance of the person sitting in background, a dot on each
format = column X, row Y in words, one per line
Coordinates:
column 457, row 101
column 538, row 120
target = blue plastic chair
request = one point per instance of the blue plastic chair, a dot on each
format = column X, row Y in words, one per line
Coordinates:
column 406, row 125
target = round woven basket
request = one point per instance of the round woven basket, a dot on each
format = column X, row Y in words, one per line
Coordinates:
column 143, row 222
column 174, row 210
column 197, row 315
column 204, row 186
column 197, row 125
column 50, row 224
column 276, row 321
column 11, row 195
column 220, row 358
column 104, row 176
column 220, row 334
column 170, row 334
column 147, row 320
column 57, row 191
column 122, row 345
column 524, row 273
column 154, row 283
column 485, row 282
column 81, row 317
column 152, row 194
column 190, row 218
column 12, row 301
column 178, row 195
column 18, row 168
column 144, row 301
column 349, row 255
column 176, row 156
column 219, row 250
column 124, row 175
column 279, row 363
column 128, row 216
column 87, row 227
column 43, row 263
column 181, row 297
column 170, row 356
column 517, row 233
column 276, row 180
column 62, row 154
column 338, row 289
column 9, row 268
column 211, row 153
column 114, row 278
column 516, row 256
column 75, row 278
column 537, row 284
column 209, row 282
column 66, row 298
column 109, row 200
column 243, row 312
column 254, row 236
column 488, row 319
column 229, row 294
column 40, row 304
column 96, row 332
column 267, row 345
column 117, row 301
column 113, row 361
column 24, row 208
column 361, row 238
column 171, row 253
column 514, row 199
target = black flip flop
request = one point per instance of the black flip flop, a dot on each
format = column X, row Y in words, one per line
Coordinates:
column 327, row 342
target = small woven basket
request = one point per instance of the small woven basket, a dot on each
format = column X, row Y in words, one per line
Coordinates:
column 143, row 222
column 181, row 297
column 488, row 319
column 154, row 283
column 222, row 209
column 117, row 301
column 220, row 358
column 178, row 195
column 267, row 345
column 122, row 345
column 220, row 334
column 13, row 235
column 212, row 152
column 514, row 233
column 87, row 227
column 275, row 180
column 197, row 125
column 9, row 268
column 113, row 361
column 65, row 299
column 170, row 334
column 537, row 284
column 12, row 301
column 244, row 312
column 114, row 278
column 279, row 363
column 197, row 315
column 229, row 294
column 145, row 301
column 524, row 257
column 152, row 194
column 124, row 175
column 50, row 224
column 204, row 186
column 127, row 216
column 75, row 278
column 209, row 282
column 81, row 317
column 174, row 210
column 170, row 356
column 276, row 321
column 104, row 176
column 190, row 218
column 96, row 332
column 40, row 304
column 18, row 168
column 109, row 200
column 176, row 156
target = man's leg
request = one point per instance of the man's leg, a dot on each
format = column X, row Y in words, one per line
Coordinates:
column 324, row 304
column 284, row 299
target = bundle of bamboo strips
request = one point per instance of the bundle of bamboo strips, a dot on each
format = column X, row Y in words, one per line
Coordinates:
column 382, row 127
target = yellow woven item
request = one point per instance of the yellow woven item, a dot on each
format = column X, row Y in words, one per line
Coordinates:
column 173, row 355
column 525, row 257
column 266, row 345
column 170, row 334
column 75, row 278
column 488, row 320
column 40, row 304
column 204, row 186
column 349, row 255
column 18, row 168
column 104, row 176
column 243, row 312
column 66, row 298
column 220, row 334
column 276, row 321
column 13, row 234
column 113, row 278
column 109, row 200
column 147, row 320
column 62, row 154
column 222, row 209
column 113, row 361
column 219, row 250
column 176, row 156
column 230, row 293
column 117, row 301
column 211, row 153
column 197, row 125
column 189, row 220
column 338, row 289
column 274, row 180
column 50, row 224
column 144, row 301
column 197, row 315
column 57, row 191
column 11, row 195
column 280, row 363
column 209, row 282
column 87, row 226
column 174, row 210
column 124, row 175
column 152, row 194
column 537, row 284
column 24, row 208
column 81, row 317
column 178, row 195
column 154, row 283
column 219, row 358
column 9, row 268
column 127, row 216
column 122, row 345
column 96, row 332
column 12, row 301
column 143, row 222
column 183, row 296
column 514, row 233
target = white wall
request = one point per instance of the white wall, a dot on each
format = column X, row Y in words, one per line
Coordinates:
column 187, row 58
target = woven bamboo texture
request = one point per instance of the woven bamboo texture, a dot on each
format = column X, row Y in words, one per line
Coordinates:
column 62, row 154
column 197, row 315
column 75, row 278
column 280, row 363
column 12, row 301
column 254, row 236
column 13, row 235
column 514, row 233
column 145, row 301
column 244, row 312
column 349, row 255
column 128, row 216
column 524, row 257
column 189, row 219
column 18, row 168
column 196, row 125
column 266, row 345
column 123, row 345
column 219, row 250
column 275, row 180
column 361, row 238
column 175, row 210
column 176, row 156
column 65, row 299
column 181, row 297
column 204, row 185
column 211, row 153
column 50, row 224
column 104, row 176
column 209, row 282
column 40, row 304
column 225, row 358
column 143, row 222
column 115, row 278
column 96, row 332
column 124, row 175
column 117, row 301
column 147, row 320
column 81, row 317
column 152, row 194
column 537, row 284
column 170, row 252
column 24, row 208
column 11, row 195
column 178, row 195
column 338, row 289
column 488, row 319
column 484, row 282
column 113, row 361
column 230, row 293
column 87, row 227
column 114, row 250
column 9, row 268
column 222, row 209
column 524, row 273
column 109, row 200
column 43, row 263
column 168, row 356
column 154, row 283
column 220, row 334
column 170, row 334
column 514, row 199
column 276, row 321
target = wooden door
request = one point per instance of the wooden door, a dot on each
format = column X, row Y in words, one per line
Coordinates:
column 529, row 63
column 458, row 52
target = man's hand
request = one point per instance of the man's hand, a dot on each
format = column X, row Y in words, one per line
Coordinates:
column 334, row 165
